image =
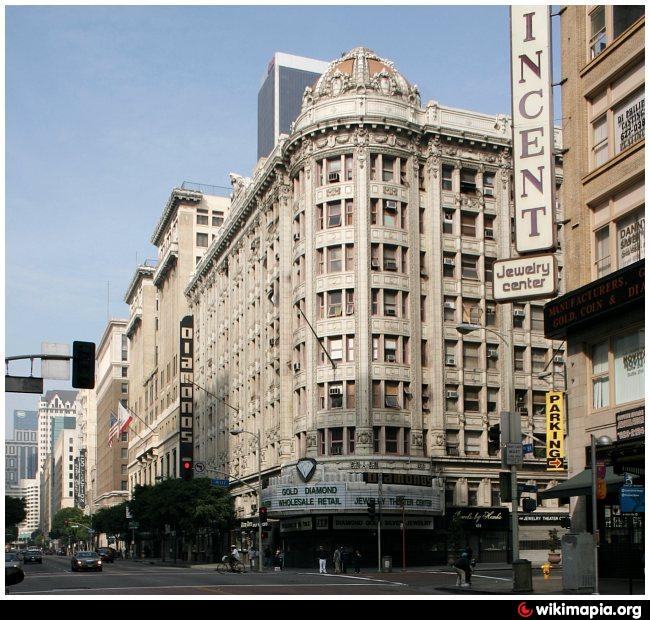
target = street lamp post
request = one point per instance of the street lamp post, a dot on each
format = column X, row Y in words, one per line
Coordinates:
column 258, row 437
column 596, row 441
column 466, row 328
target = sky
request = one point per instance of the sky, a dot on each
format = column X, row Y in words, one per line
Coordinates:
column 108, row 108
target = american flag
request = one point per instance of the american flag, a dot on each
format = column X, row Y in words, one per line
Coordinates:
column 114, row 430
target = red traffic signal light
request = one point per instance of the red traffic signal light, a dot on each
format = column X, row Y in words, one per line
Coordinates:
column 263, row 514
column 187, row 470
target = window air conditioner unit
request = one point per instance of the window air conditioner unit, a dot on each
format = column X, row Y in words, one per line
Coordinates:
column 488, row 191
column 450, row 360
column 390, row 312
column 334, row 311
column 450, row 305
column 489, row 233
column 333, row 177
column 558, row 359
column 390, row 357
column 493, row 354
column 336, row 391
column 449, row 261
column 391, row 205
column 374, row 263
column 519, row 313
column 296, row 367
column 390, row 264
column 452, row 394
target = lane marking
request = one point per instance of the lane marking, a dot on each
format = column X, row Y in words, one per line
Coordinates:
column 196, row 587
column 474, row 575
column 397, row 583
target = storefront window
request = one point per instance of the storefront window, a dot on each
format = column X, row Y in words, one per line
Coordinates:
column 629, row 367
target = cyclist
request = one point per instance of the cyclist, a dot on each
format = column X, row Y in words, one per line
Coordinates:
column 233, row 558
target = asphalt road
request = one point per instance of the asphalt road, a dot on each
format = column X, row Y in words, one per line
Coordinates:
column 54, row 577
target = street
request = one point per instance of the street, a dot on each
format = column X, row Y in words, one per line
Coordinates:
column 54, row 577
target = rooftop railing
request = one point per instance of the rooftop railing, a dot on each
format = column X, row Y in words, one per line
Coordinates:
column 210, row 190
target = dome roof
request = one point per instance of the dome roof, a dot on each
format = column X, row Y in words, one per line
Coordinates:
column 361, row 71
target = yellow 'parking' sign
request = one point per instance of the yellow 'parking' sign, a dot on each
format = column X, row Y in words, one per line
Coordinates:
column 555, row 431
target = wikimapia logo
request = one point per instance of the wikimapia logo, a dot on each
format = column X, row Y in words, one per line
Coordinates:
column 588, row 611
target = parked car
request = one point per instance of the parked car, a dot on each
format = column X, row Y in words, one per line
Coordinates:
column 107, row 554
column 86, row 560
column 33, row 556
column 62, row 551
column 13, row 560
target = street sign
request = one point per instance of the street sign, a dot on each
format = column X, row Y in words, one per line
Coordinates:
column 134, row 525
column 529, row 448
column 219, row 482
column 25, row 385
column 632, row 498
column 199, row 467
column 527, row 488
column 74, row 526
column 514, row 454
column 55, row 369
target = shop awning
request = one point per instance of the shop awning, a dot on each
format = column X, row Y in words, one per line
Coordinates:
column 581, row 484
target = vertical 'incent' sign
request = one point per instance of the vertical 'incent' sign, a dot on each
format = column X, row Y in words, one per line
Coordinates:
column 532, row 120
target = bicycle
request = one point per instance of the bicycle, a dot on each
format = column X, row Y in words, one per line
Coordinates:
column 225, row 566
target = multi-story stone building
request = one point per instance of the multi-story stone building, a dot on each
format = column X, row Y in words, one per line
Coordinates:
column 55, row 403
column 191, row 219
column 111, row 389
column 29, row 490
column 602, row 314
column 325, row 315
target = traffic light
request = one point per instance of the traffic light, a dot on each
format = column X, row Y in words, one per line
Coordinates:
column 263, row 514
column 505, row 486
column 371, row 508
column 494, row 438
column 528, row 504
column 83, row 365
column 187, row 470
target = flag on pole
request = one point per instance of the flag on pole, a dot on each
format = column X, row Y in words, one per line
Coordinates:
column 114, row 430
column 125, row 418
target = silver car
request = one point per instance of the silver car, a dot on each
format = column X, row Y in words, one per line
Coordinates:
column 13, row 560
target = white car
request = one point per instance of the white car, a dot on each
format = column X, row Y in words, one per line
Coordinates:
column 13, row 560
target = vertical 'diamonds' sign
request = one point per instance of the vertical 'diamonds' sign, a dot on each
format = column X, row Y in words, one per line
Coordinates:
column 186, row 373
column 532, row 120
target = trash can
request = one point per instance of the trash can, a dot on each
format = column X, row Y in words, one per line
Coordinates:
column 387, row 564
column 522, row 573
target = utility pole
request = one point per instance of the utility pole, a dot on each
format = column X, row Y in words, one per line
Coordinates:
column 379, row 481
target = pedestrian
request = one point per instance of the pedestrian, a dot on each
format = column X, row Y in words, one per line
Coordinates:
column 277, row 560
column 345, row 559
column 321, row 554
column 254, row 557
column 337, row 560
column 268, row 557
column 463, row 571
column 356, row 561
column 470, row 556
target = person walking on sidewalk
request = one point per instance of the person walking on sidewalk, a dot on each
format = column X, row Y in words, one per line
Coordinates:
column 463, row 571
column 356, row 561
column 345, row 559
column 321, row 554
column 337, row 560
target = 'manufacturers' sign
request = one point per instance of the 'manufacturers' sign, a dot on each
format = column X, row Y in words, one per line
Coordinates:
column 595, row 301
column 529, row 277
column 186, row 447
column 533, row 133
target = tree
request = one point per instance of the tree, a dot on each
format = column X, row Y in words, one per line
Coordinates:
column 15, row 511
column 63, row 521
column 112, row 521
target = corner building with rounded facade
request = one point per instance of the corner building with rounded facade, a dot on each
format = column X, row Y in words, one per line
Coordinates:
column 376, row 222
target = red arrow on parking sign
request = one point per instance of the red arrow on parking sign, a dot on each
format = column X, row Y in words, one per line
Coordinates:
column 554, row 464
